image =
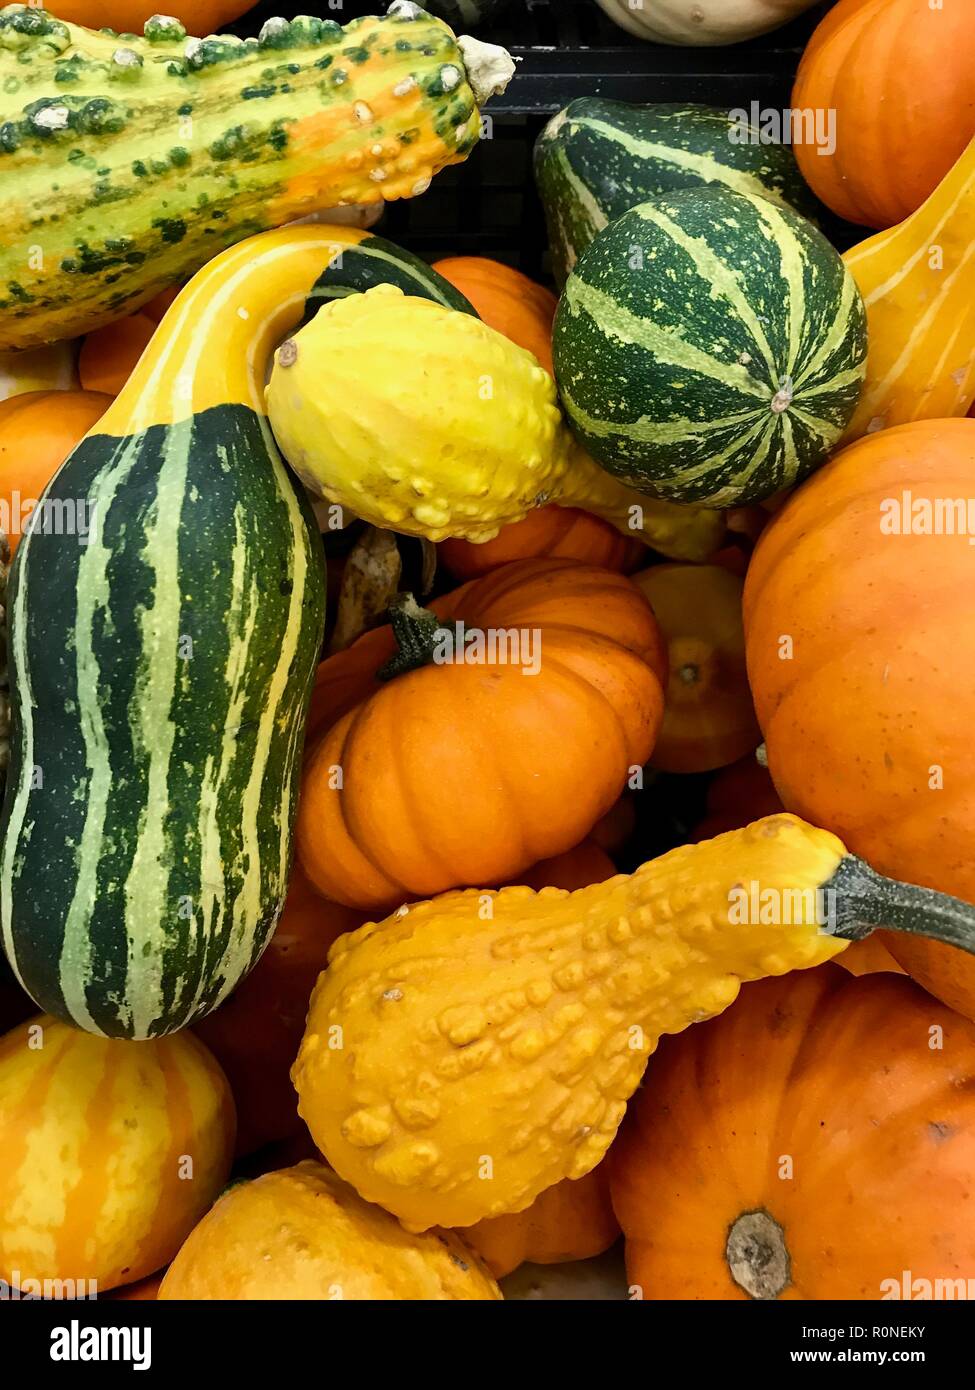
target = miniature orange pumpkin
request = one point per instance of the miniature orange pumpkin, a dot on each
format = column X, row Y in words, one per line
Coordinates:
column 303, row 1234
column 896, row 76
column 469, row 773
column 861, row 656
column 813, row 1142
column 38, row 430
column 507, row 300
column 557, row 532
column 709, row 720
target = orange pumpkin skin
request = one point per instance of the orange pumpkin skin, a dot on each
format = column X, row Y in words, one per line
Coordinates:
column 468, row 774
column 709, row 720
column 570, row 1221
column 577, row 868
column 547, row 532
column 255, row 1035
column 877, row 694
column 506, row 300
column 835, row 1074
column 128, row 16
column 109, row 354
column 898, row 75
column 38, row 430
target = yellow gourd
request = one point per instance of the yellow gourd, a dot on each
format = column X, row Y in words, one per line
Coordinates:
column 303, row 1234
column 918, row 285
column 469, row 1052
column 424, row 420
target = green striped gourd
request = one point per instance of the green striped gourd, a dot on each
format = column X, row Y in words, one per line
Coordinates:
column 597, row 159
column 162, row 665
column 136, row 159
column 710, row 347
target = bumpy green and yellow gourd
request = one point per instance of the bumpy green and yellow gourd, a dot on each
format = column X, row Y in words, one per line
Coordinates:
column 429, row 422
column 469, row 1052
column 128, row 161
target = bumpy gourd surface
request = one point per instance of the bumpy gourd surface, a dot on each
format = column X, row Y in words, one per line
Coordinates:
column 468, row 1052
column 304, row 1234
column 111, row 1151
column 431, row 423
column 128, row 161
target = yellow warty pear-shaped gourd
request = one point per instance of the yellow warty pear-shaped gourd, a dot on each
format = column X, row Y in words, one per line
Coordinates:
column 422, row 419
column 469, row 1052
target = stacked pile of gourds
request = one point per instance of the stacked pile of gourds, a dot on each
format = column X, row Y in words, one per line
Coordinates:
column 308, row 900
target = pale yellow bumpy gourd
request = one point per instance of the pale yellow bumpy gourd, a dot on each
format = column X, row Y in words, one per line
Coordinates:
column 421, row 419
column 469, row 1052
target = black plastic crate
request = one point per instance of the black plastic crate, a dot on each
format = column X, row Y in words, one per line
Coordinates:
column 564, row 49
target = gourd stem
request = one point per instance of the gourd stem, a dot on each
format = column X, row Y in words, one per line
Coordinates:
column 415, row 631
column 865, row 899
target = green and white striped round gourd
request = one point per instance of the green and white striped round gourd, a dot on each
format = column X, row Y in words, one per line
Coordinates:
column 597, row 159
column 710, row 347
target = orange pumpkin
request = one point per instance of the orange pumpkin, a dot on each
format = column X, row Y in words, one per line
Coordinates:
column 708, row 717
column 576, row 868
column 573, row 1220
column 613, row 831
column 38, row 430
column 109, row 354
column 814, row 1142
column 470, row 772
column 737, row 795
column 255, row 1035
column 896, row 76
column 128, row 16
column 861, row 655
column 570, row 1221
column 506, row 300
column 552, row 532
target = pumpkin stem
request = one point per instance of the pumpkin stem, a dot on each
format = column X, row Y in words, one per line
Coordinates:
column 416, row 631
column 865, row 899
column 757, row 1255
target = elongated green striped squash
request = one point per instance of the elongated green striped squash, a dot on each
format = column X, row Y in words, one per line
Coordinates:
column 130, row 161
column 710, row 347
column 596, row 159
column 162, row 662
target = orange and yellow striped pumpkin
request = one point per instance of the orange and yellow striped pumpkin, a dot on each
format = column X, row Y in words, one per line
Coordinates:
column 112, row 1151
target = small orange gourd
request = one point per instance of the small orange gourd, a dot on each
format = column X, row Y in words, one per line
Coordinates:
column 808, row 1144
column 38, row 430
column 709, row 720
column 506, row 299
column 868, row 722
column 464, row 772
column 563, row 533
column 894, row 77
column 303, row 1234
